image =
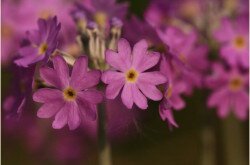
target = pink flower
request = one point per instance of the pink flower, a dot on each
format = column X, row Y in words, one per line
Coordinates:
column 73, row 96
column 128, row 72
column 229, row 92
column 185, row 48
column 233, row 37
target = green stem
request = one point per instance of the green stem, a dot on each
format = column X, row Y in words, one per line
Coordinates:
column 104, row 147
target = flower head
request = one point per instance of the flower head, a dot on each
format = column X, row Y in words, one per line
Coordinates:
column 130, row 73
column 102, row 11
column 186, row 51
column 233, row 37
column 72, row 97
column 42, row 43
column 229, row 92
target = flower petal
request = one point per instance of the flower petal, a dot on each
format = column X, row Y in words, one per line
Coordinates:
column 109, row 76
column 73, row 116
column 154, row 78
column 167, row 115
column 149, row 60
column 28, row 60
column 139, row 52
column 113, row 89
column 86, row 109
column 90, row 79
column 61, row 117
column 50, row 109
column 79, row 70
column 117, row 61
column 62, row 70
column 150, row 91
column 47, row 95
column 127, row 96
column 93, row 96
column 241, row 105
column 139, row 99
column 49, row 76
column 124, row 47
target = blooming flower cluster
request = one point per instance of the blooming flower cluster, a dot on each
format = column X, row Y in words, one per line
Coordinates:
column 169, row 59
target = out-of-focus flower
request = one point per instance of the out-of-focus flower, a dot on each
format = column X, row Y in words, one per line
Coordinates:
column 135, row 29
column 129, row 74
column 233, row 37
column 42, row 44
column 102, row 11
column 15, row 24
column 73, row 97
column 185, row 47
column 229, row 91
column 16, row 102
column 175, row 87
column 166, row 113
column 161, row 13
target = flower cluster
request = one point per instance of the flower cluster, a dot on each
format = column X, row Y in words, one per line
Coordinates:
column 71, row 70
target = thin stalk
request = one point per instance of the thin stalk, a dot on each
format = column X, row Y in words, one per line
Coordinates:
column 104, row 147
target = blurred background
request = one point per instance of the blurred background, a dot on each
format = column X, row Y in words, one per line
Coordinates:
column 136, row 137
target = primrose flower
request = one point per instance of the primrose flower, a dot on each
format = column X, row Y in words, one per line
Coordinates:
column 136, row 29
column 229, row 92
column 42, row 44
column 129, row 72
column 102, row 11
column 233, row 37
column 73, row 96
column 185, row 48
column 21, row 90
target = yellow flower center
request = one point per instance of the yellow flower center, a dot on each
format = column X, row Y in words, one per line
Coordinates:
column 169, row 92
column 239, row 42
column 235, row 83
column 42, row 48
column 100, row 18
column 131, row 75
column 69, row 94
column 6, row 31
column 45, row 14
column 183, row 58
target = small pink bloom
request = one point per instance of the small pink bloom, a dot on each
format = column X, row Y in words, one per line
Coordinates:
column 233, row 37
column 128, row 72
column 73, row 97
column 229, row 92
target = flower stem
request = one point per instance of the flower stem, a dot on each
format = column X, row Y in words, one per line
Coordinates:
column 104, row 147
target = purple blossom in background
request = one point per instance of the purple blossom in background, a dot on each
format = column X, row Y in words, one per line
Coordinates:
column 102, row 11
column 73, row 98
column 42, row 44
column 17, row 101
column 136, row 29
column 174, row 88
column 233, row 37
column 185, row 47
column 128, row 72
column 229, row 92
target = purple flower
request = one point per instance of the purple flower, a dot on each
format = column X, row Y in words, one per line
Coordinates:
column 129, row 73
column 21, row 91
column 42, row 44
column 229, row 92
column 136, row 29
column 185, row 48
column 74, row 95
column 102, row 11
column 233, row 37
